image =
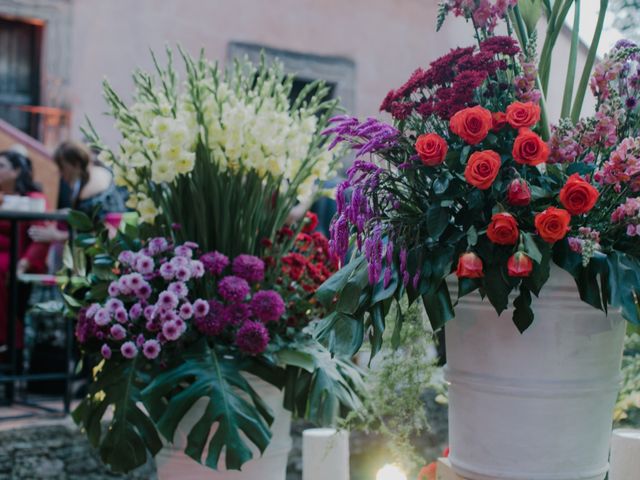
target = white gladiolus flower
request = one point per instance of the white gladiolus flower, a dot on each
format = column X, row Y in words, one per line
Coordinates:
column 160, row 126
column 147, row 210
column 138, row 160
column 186, row 163
column 162, row 171
column 170, row 152
column 152, row 144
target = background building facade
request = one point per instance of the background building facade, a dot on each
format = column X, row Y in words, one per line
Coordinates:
column 362, row 47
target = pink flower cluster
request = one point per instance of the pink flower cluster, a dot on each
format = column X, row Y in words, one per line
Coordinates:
column 526, row 90
column 585, row 235
column 629, row 212
column 623, row 166
column 151, row 305
column 484, row 13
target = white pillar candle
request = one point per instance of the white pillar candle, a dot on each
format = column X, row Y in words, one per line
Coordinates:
column 625, row 454
column 325, row 454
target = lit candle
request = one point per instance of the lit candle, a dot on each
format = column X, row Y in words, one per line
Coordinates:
column 391, row 472
column 625, row 454
column 325, row 454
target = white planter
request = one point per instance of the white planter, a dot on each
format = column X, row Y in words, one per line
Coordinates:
column 173, row 464
column 536, row 406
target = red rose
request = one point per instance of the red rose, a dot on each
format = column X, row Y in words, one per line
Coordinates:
column 432, row 149
column 469, row 266
column 529, row 148
column 503, row 229
column 578, row 196
column 523, row 114
column 519, row 265
column 482, row 169
column 552, row 224
column 471, row 124
column 499, row 120
column 518, row 193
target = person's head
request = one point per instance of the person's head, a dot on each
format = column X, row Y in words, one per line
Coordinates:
column 73, row 160
column 16, row 173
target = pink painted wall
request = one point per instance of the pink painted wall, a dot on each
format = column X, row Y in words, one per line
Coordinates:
column 387, row 40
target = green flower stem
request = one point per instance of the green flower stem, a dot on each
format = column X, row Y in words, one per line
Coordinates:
column 571, row 68
column 553, row 31
column 588, row 65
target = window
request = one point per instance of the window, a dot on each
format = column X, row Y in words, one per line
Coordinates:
column 338, row 72
column 19, row 73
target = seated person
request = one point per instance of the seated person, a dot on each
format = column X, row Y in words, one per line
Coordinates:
column 16, row 179
column 92, row 188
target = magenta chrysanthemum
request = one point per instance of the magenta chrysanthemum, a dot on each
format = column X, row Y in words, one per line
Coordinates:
column 151, row 349
column 129, row 350
column 236, row 313
column 233, row 289
column 252, row 338
column 248, row 267
column 214, row 262
column 105, row 351
column 200, row 308
column 267, row 305
column 118, row 332
column 214, row 322
column 86, row 327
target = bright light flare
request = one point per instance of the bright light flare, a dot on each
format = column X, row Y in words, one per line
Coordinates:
column 391, row 472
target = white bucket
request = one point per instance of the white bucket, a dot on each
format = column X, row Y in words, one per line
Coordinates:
column 536, row 406
column 173, row 464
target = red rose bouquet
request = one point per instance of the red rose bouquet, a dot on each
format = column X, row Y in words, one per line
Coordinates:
column 471, row 180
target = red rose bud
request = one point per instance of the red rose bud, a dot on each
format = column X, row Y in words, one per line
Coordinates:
column 518, row 193
column 499, row 121
column 503, row 229
column 432, row 149
column 519, row 265
column 469, row 266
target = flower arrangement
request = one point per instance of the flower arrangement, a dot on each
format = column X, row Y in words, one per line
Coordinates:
column 185, row 304
column 471, row 180
column 221, row 137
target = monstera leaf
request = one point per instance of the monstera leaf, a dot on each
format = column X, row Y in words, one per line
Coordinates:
column 233, row 408
column 320, row 386
column 131, row 436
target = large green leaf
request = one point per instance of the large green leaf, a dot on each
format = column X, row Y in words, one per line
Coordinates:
column 438, row 306
column 522, row 313
column 332, row 384
column 329, row 289
column 233, row 409
column 80, row 221
column 131, row 435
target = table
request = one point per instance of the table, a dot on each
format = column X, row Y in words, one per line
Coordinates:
column 15, row 217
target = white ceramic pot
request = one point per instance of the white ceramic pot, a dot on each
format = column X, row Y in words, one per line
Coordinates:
column 173, row 464
column 536, row 406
